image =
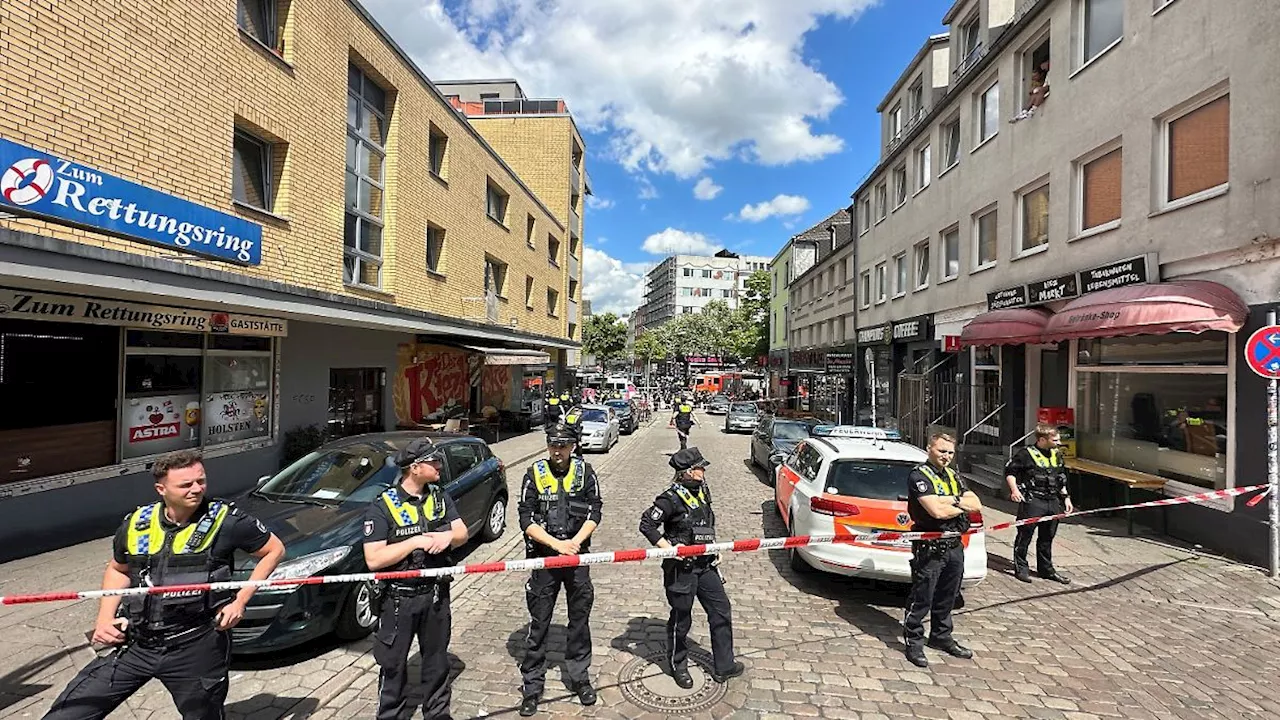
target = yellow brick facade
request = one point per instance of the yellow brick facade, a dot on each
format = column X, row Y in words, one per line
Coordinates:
column 152, row 90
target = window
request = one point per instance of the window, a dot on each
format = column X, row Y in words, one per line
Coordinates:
column 495, row 277
column 1099, row 183
column 237, row 389
column 687, row 272
column 258, row 19
column 921, row 252
column 686, row 292
column 1035, row 75
column 881, row 281
column 882, row 201
column 895, row 122
column 1033, row 230
column 1157, row 404
column 864, row 208
column 438, row 152
column 864, row 289
column 951, row 253
column 496, row 203
column 489, row 96
column 916, row 99
column 553, row 302
column 951, row 143
column 553, row 249
column 984, row 240
column 530, row 228
column 899, row 186
column 1196, row 151
column 969, row 36
column 686, row 310
column 528, row 291
column 574, row 242
column 1103, row 22
column 900, row 275
column 366, row 137
column 986, row 118
column 435, row 248
column 462, row 456
column 706, row 274
column 924, row 161
column 251, row 171
column 726, row 293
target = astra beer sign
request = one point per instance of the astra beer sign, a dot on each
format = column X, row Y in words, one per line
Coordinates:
column 51, row 188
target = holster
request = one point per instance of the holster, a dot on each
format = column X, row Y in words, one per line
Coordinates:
column 377, row 596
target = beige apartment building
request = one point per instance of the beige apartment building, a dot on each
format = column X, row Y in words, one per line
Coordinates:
column 1074, row 210
column 227, row 225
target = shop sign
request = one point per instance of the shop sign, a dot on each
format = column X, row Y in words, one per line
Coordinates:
column 950, row 343
column 1061, row 288
column 122, row 313
column 1134, row 271
column 703, row 359
column 230, row 416
column 878, row 335
column 839, row 363
column 808, row 359
column 160, row 424
column 1013, row 297
column 916, row 328
column 777, row 358
column 46, row 186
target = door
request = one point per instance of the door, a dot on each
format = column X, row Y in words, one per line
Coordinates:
column 1054, row 375
column 761, row 445
column 355, row 401
column 467, row 484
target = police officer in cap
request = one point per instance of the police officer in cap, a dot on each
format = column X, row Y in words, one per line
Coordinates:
column 559, row 508
column 938, row 500
column 572, row 420
column 413, row 526
column 553, row 409
column 682, row 515
column 182, row 641
column 1037, row 481
column 683, row 420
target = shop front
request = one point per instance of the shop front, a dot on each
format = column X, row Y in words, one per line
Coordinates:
column 777, row 369
column 837, row 382
column 874, row 369
column 806, row 366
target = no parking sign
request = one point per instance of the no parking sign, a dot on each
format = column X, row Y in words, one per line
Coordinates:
column 1262, row 352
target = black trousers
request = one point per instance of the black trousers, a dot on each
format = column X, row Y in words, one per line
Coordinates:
column 541, row 593
column 1045, row 531
column 935, row 583
column 426, row 616
column 193, row 670
column 683, row 584
column 683, row 432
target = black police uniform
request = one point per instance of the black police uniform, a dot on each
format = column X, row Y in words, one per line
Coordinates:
column 171, row 639
column 1042, row 480
column 412, row 608
column 573, row 420
column 937, row 566
column 683, row 515
column 561, row 501
column 684, row 422
column 553, row 411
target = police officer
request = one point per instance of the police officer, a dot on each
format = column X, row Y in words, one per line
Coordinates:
column 413, row 526
column 938, row 500
column 559, row 508
column 683, row 420
column 553, row 410
column 573, row 421
column 1037, row 481
column 682, row 515
column 183, row 641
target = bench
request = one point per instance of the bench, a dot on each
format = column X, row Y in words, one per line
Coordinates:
column 1129, row 479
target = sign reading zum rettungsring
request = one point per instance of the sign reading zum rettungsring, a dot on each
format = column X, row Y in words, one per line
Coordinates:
column 38, row 184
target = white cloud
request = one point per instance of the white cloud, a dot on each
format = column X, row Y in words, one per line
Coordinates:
column 706, row 189
column 647, row 190
column 610, row 284
column 779, row 206
column 599, row 203
column 677, row 85
column 679, row 242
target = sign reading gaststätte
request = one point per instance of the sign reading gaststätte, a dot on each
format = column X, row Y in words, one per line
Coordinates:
column 122, row 313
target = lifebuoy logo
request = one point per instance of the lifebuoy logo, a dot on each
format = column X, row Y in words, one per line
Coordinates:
column 26, row 181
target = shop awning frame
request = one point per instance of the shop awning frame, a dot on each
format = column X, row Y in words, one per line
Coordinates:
column 510, row 356
column 1183, row 306
column 1012, row 326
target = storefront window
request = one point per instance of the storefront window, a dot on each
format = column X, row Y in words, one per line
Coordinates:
column 161, row 409
column 237, row 401
column 1150, row 414
column 986, row 394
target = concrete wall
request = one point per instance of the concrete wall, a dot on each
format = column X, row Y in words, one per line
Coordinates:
column 470, row 91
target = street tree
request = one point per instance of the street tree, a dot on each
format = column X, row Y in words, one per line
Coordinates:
column 604, row 336
column 650, row 348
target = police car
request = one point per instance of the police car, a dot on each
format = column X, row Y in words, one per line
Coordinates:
column 847, row 480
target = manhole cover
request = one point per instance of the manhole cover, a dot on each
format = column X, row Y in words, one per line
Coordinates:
column 645, row 683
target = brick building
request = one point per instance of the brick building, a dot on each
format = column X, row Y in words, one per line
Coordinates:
column 219, row 228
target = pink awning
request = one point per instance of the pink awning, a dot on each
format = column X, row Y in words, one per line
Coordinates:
column 1014, row 326
column 1191, row 306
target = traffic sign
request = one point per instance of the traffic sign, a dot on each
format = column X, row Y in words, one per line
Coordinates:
column 1262, row 352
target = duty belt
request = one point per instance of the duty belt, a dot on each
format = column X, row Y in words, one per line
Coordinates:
column 421, row 587
column 153, row 639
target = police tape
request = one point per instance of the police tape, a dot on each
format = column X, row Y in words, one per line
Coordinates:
column 606, row 558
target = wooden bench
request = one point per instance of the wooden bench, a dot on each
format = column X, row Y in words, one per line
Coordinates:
column 1129, row 479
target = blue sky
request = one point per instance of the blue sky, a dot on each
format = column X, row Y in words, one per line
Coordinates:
column 766, row 106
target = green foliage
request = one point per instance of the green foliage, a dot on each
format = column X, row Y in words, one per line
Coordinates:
column 605, row 336
column 650, row 347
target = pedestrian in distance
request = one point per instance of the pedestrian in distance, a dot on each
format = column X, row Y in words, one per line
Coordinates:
column 938, row 500
column 183, row 641
column 682, row 515
column 683, row 420
column 560, row 507
column 1037, row 479
column 413, row 526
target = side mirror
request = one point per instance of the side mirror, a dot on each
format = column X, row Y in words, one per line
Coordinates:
column 262, row 481
column 777, row 458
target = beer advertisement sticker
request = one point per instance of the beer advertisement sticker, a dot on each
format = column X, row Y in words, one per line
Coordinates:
column 161, row 423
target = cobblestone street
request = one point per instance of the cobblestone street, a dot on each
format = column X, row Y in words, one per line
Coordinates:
column 1147, row 630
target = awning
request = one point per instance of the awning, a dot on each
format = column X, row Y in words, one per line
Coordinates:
column 1191, row 306
column 1013, row 326
column 510, row 356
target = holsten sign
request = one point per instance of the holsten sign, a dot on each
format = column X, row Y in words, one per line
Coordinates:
column 51, row 188
column 122, row 313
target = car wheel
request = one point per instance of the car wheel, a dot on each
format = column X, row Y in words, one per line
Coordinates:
column 357, row 619
column 495, row 521
column 797, row 563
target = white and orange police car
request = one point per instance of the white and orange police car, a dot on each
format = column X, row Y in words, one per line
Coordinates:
column 847, row 480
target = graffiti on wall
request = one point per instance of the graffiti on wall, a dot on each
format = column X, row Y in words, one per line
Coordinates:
column 496, row 386
column 432, row 382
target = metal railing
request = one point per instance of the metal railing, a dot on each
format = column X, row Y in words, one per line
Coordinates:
column 964, row 437
column 970, row 60
column 1028, row 434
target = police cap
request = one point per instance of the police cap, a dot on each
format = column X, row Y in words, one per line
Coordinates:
column 418, row 450
column 688, row 459
column 561, row 434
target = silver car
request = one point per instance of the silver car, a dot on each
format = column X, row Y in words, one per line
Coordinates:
column 742, row 416
column 600, row 428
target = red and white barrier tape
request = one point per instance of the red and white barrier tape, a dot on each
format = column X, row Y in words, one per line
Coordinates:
column 607, row 558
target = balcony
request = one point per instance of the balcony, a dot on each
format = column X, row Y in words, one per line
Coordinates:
column 572, row 309
column 520, row 106
column 575, row 222
column 575, row 179
column 970, row 60
column 573, row 267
